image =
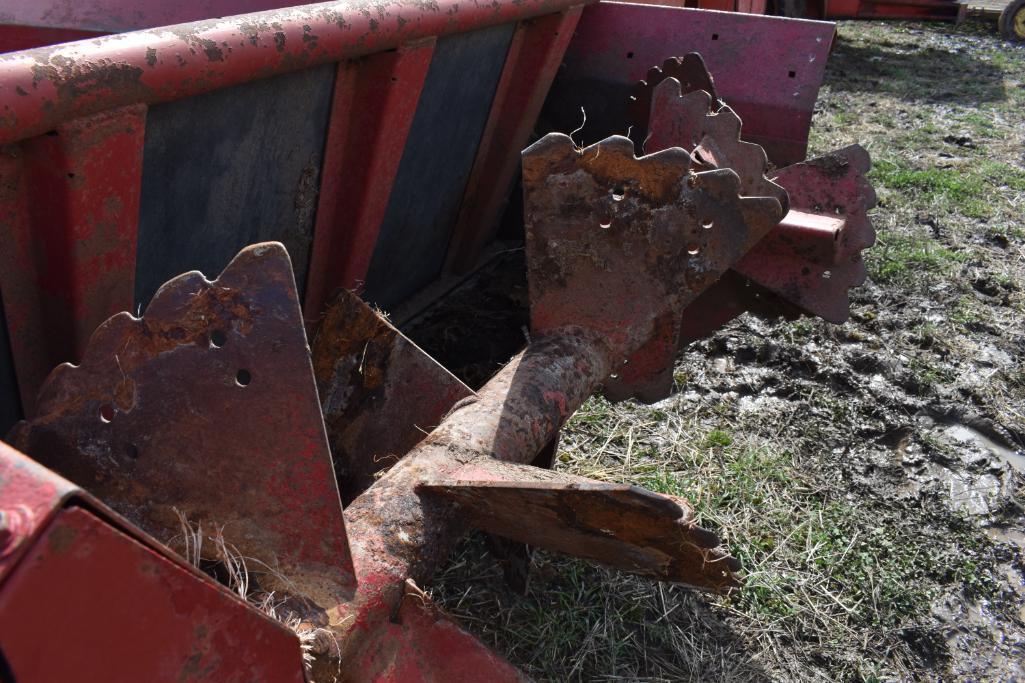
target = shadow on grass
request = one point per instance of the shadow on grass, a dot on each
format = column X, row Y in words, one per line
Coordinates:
column 923, row 74
column 579, row 622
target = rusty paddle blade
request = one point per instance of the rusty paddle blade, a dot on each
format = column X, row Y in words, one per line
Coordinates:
column 381, row 394
column 690, row 71
column 617, row 525
column 621, row 245
column 206, row 405
column 814, row 256
column 691, row 120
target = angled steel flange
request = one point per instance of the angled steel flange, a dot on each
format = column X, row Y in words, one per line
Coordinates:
column 207, row 405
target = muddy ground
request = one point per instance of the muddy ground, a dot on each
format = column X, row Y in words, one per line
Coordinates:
column 869, row 475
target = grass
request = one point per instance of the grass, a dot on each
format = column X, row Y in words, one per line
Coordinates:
column 899, row 257
column 826, row 575
column 845, row 555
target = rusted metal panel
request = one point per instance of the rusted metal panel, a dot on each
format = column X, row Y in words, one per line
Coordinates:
column 711, row 132
column 69, row 204
column 601, row 208
column 814, row 256
column 122, row 612
column 381, row 395
column 534, row 56
column 160, row 65
column 375, row 99
column 768, row 69
column 436, row 164
column 248, row 174
column 617, row 525
column 692, row 74
column 207, row 406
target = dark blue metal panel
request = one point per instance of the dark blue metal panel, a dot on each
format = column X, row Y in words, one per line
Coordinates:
column 436, row 163
column 10, row 399
column 230, row 168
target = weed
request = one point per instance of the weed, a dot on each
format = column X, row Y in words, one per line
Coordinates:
column 901, row 256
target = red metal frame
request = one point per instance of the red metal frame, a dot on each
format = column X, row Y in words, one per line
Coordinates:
column 374, row 102
column 69, row 205
column 534, row 56
column 73, row 572
column 160, row 65
column 767, row 68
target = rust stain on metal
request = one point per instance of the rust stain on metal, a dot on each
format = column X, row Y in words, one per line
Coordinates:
column 621, row 244
column 380, row 393
column 710, row 131
column 618, row 525
column 206, row 405
column 690, row 71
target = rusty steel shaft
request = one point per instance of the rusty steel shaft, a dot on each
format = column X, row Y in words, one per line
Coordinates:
column 395, row 531
column 654, row 257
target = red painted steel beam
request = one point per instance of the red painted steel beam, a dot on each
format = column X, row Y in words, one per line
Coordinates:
column 69, row 205
column 42, row 88
column 116, row 16
column 374, row 103
column 534, row 56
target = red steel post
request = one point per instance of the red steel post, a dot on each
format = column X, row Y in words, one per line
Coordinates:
column 535, row 54
column 69, row 207
column 374, row 103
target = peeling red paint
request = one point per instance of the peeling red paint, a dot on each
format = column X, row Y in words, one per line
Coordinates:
column 157, row 65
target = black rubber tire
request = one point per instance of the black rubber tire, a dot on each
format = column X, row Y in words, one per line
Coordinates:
column 1012, row 21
